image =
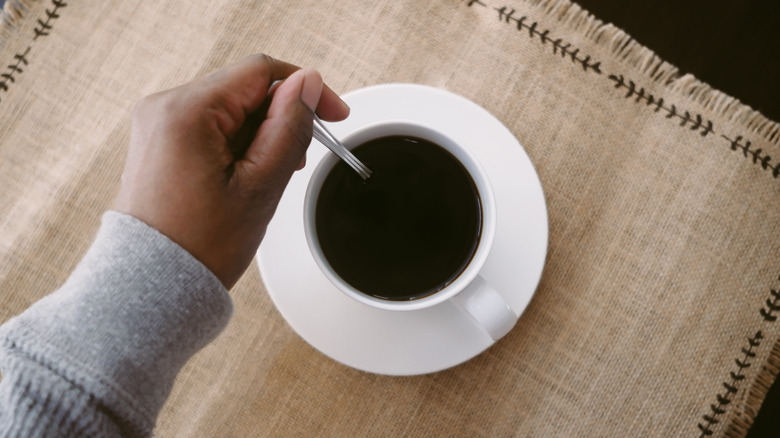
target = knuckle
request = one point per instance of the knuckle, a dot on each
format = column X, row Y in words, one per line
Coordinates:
column 265, row 62
column 148, row 103
column 163, row 104
column 143, row 105
column 301, row 135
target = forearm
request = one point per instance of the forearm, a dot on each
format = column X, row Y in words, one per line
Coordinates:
column 102, row 352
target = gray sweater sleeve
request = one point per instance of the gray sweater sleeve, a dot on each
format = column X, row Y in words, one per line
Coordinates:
column 98, row 357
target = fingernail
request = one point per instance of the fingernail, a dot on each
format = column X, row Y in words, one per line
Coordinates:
column 311, row 89
column 345, row 106
column 302, row 163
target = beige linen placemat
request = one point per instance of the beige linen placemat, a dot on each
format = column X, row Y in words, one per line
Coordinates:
column 656, row 313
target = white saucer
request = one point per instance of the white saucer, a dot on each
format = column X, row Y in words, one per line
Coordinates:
column 419, row 341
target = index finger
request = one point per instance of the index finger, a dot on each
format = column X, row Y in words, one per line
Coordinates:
column 246, row 82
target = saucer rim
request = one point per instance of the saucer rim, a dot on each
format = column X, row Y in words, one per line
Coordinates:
column 478, row 343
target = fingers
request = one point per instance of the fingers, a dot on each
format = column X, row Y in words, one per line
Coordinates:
column 246, row 82
column 331, row 107
column 281, row 142
column 249, row 81
column 240, row 90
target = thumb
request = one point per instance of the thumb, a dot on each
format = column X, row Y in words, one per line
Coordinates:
column 281, row 141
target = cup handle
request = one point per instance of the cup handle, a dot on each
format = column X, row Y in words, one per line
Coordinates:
column 487, row 308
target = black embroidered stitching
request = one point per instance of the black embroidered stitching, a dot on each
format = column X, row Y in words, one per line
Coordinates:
column 639, row 94
column 756, row 154
column 772, row 304
column 731, row 387
column 694, row 122
column 507, row 15
column 45, row 26
column 13, row 69
column 743, row 362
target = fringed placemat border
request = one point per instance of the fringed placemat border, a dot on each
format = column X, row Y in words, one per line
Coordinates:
column 632, row 53
column 755, row 126
column 742, row 130
column 743, row 419
column 13, row 11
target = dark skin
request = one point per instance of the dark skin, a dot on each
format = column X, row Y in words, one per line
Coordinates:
column 208, row 161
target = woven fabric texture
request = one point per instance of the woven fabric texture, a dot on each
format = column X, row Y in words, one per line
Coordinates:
column 656, row 312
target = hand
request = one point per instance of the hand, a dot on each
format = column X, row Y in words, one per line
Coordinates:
column 208, row 161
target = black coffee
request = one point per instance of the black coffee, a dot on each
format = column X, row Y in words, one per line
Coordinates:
column 406, row 232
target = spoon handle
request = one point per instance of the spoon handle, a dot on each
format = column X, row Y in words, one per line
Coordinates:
column 324, row 136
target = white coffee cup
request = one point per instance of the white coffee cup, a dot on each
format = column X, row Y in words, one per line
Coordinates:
column 469, row 290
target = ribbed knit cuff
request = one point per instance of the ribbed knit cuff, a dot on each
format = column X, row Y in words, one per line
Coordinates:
column 114, row 336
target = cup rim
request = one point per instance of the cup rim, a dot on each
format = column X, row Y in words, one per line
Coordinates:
column 467, row 158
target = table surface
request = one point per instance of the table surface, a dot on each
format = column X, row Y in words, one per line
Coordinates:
column 733, row 46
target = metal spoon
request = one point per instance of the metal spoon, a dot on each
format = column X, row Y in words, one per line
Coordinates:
column 323, row 135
